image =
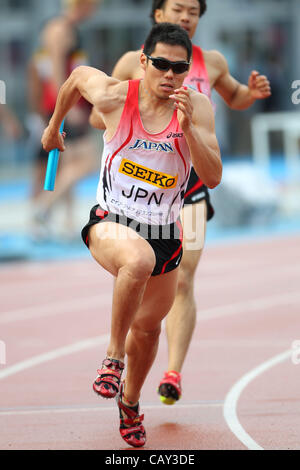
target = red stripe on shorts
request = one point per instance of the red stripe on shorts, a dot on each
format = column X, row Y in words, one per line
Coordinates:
column 193, row 188
column 178, row 223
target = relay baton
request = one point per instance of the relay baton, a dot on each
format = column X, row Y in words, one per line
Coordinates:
column 52, row 166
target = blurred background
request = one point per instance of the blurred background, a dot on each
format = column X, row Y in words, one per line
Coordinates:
column 260, row 191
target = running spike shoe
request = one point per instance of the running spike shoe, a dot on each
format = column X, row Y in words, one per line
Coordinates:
column 169, row 388
column 131, row 428
column 108, row 380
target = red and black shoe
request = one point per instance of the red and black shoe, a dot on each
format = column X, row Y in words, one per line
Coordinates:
column 131, row 428
column 169, row 388
column 107, row 382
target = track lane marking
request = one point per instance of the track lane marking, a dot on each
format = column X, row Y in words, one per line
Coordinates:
column 56, row 308
column 215, row 312
column 94, row 409
column 232, row 397
column 54, row 354
column 250, row 305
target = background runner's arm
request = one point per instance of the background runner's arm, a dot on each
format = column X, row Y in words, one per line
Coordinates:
column 96, row 120
column 57, row 40
column 34, row 89
column 235, row 94
column 127, row 65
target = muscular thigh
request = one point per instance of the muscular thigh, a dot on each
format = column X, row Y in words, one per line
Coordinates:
column 114, row 245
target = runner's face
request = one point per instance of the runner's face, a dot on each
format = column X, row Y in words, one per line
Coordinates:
column 163, row 83
column 185, row 13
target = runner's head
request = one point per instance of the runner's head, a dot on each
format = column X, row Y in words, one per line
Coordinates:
column 80, row 9
column 185, row 13
column 169, row 34
column 166, row 43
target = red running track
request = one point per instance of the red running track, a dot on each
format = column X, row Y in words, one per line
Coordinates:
column 241, row 378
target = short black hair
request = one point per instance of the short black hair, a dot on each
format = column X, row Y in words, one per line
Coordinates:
column 159, row 4
column 168, row 33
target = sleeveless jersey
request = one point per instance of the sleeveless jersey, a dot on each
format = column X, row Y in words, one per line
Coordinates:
column 198, row 80
column 198, row 76
column 144, row 176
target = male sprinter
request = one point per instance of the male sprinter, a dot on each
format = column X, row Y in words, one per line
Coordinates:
column 134, row 231
column 209, row 70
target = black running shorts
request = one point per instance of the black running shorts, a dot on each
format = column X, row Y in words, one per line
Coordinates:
column 196, row 191
column 165, row 240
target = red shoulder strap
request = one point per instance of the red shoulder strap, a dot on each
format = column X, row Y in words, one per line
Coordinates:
column 132, row 99
column 198, row 57
column 133, row 91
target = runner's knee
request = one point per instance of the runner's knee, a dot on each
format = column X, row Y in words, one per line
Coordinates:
column 145, row 334
column 139, row 267
column 185, row 281
column 187, row 271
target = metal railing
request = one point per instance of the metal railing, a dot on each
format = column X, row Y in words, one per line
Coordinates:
column 288, row 123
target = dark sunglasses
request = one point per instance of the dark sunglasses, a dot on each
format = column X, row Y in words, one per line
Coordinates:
column 164, row 64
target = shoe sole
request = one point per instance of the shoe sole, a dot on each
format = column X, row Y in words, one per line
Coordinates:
column 103, row 396
column 168, row 394
column 167, row 400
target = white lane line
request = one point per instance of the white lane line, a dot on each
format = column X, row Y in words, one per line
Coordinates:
column 55, row 308
column 247, row 306
column 54, row 354
column 248, row 277
column 215, row 312
column 102, row 409
column 72, row 305
column 232, row 397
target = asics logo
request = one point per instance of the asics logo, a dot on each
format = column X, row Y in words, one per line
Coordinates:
column 174, row 135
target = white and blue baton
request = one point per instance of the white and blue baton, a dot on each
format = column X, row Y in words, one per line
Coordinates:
column 53, row 158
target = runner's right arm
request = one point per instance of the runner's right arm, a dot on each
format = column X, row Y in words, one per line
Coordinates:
column 123, row 70
column 87, row 82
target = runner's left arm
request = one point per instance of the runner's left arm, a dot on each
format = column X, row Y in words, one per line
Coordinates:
column 237, row 95
column 123, row 70
column 196, row 119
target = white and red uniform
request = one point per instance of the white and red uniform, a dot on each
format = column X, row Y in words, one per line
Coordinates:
column 144, row 176
column 198, row 76
column 199, row 81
